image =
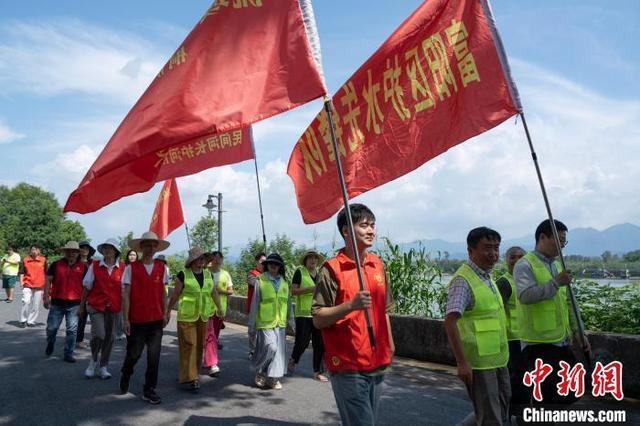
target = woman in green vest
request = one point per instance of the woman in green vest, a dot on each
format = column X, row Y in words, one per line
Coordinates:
column 198, row 302
column 271, row 311
column 302, row 287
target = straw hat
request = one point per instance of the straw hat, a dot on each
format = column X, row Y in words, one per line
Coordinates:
column 308, row 253
column 134, row 244
column 109, row 242
column 71, row 245
column 194, row 254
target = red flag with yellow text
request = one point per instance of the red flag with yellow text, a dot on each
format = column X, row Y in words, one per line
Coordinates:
column 438, row 80
column 167, row 215
column 244, row 61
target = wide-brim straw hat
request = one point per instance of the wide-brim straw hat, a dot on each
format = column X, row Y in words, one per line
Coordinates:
column 134, row 244
column 308, row 253
column 109, row 242
column 71, row 245
column 194, row 254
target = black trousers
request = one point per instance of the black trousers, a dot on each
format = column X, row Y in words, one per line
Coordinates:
column 552, row 355
column 305, row 332
column 143, row 334
column 82, row 323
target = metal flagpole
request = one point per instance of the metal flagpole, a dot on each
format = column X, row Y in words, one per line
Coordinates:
column 186, row 227
column 572, row 297
column 345, row 199
column 255, row 163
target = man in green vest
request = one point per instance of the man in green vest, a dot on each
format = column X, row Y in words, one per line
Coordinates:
column 507, row 287
column 475, row 323
column 543, row 308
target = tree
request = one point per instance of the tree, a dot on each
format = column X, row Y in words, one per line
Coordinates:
column 123, row 243
column 632, row 256
column 29, row 215
column 606, row 256
column 205, row 233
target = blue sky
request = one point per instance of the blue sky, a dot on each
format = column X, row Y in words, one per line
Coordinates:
column 70, row 71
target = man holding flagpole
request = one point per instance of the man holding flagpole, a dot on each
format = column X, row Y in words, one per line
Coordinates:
column 357, row 367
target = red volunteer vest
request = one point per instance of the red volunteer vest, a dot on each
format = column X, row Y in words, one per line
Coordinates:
column 147, row 292
column 106, row 293
column 346, row 343
column 67, row 281
column 250, row 289
column 34, row 273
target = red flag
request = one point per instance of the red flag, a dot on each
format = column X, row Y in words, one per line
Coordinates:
column 438, row 80
column 167, row 215
column 244, row 61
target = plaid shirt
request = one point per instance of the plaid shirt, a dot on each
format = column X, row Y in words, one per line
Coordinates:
column 460, row 297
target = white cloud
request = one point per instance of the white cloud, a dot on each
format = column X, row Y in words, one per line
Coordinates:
column 63, row 55
column 8, row 135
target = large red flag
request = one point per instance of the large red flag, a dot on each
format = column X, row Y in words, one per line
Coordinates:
column 244, row 61
column 167, row 215
column 438, row 80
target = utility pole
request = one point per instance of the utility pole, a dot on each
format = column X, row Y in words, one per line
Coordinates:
column 210, row 205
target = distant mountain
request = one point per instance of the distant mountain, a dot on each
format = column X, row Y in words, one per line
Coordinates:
column 617, row 239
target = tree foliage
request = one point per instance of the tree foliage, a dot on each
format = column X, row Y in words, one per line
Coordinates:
column 29, row 215
column 205, row 233
column 123, row 243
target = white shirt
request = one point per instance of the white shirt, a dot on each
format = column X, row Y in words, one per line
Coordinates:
column 216, row 278
column 126, row 276
column 89, row 277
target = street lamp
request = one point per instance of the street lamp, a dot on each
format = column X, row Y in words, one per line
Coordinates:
column 210, row 205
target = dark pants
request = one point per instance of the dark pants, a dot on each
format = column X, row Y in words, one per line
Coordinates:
column 305, row 332
column 143, row 334
column 552, row 355
column 82, row 323
column 520, row 394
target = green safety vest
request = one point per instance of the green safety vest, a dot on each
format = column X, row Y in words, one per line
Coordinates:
column 304, row 301
column 511, row 311
column 195, row 302
column 223, row 284
column 483, row 328
column 273, row 308
column 546, row 321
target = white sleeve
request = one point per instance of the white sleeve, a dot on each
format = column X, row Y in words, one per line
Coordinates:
column 167, row 276
column 126, row 276
column 230, row 285
column 87, row 281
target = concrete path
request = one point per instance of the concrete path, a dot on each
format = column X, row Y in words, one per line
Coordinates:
column 39, row 390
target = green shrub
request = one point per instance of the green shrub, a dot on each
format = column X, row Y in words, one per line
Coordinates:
column 607, row 308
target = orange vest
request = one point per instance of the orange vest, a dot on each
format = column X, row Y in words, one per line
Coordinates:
column 106, row 293
column 346, row 343
column 67, row 281
column 34, row 273
column 146, row 293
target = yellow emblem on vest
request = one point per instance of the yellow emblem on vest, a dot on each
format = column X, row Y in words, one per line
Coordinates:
column 335, row 360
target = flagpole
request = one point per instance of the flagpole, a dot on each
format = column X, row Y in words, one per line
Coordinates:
column 255, row 163
column 186, row 227
column 345, row 199
column 556, row 237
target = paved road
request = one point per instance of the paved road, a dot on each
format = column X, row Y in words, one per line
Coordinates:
column 39, row 390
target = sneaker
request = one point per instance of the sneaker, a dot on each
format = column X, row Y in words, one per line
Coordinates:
column 275, row 384
column 30, row 325
column 261, row 381
column 214, row 370
column 49, row 350
column 69, row 358
column 194, row 386
column 90, row 372
column 124, row 384
column 151, row 397
column 81, row 345
column 104, row 373
column 22, row 324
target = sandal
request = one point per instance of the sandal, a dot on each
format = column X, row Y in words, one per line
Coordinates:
column 291, row 367
column 194, row 386
column 320, row 377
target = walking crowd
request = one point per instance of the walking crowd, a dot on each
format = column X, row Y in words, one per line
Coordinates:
column 496, row 330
